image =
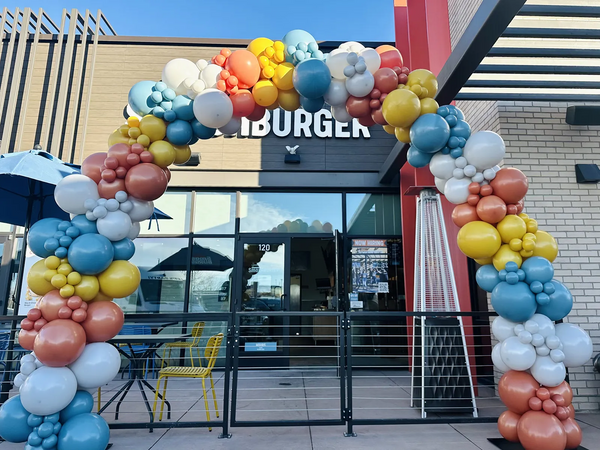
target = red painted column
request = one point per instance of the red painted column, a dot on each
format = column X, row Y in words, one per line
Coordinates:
column 401, row 26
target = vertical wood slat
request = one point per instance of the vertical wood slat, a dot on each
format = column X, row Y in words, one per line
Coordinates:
column 7, row 65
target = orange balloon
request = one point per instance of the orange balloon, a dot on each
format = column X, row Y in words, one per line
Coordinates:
column 244, row 65
column 108, row 190
column 390, row 56
column 540, row 431
column 510, row 185
column 507, row 425
column 91, row 166
column 515, row 390
column 563, row 389
column 104, row 321
column 59, row 343
column 571, row 411
column 50, row 304
column 491, row 209
column 463, row 214
column 573, row 431
column 27, row 338
column 243, row 103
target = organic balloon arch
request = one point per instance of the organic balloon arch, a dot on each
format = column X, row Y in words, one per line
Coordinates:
column 85, row 260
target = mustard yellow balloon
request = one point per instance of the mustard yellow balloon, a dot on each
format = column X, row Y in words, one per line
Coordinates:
column 402, row 134
column 87, row 288
column 36, row 281
column 134, row 132
column 401, row 108
column 289, row 100
column 120, row 279
column 526, row 253
column 163, row 152
column 101, row 298
column 389, row 129
column 49, row 274
column 258, row 45
column 484, row 261
column 425, row 79
column 67, row 291
column 143, row 140
column 133, row 122
column 283, row 76
column 545, row 246
column 505, row 255
column 182, row 154
column 131, row 141
column 428, row 106
column 153, row 127
column 479, row 240
column 52, row 262
column 511, row 227
column 274, row 106
column 58, row 280
column 64, row 269
column 265, row 93
column 124, row 130
column 117, row 138
column 74, row 278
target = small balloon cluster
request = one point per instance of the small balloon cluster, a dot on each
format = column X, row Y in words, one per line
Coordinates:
column 516, row 268
column 300, row 226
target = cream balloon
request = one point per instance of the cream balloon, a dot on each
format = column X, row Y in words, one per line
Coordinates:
column 336, row 62
column 71, row 193
column 210, row 75
column 372, row 59
column 177, row 71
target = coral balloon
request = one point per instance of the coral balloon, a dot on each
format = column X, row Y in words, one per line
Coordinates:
column 386, row 80
column 27, row 338
column 510, row 185
column 104, row 321
column 92, row 166
column 244, row 103
column 358, row 107
column 564, row 390
column 463, row 214
column 507, row 425
column 50, row 304
column 244, row 65
column 109, row 190
column 491, row 209
column 515, row 390
column 573, row 431
column 59, row 343
column 390, row 56
column 120, row 153
column 540, row 431
column 146, row 181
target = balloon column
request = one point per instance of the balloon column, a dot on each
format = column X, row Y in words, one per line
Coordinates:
column 516, row 268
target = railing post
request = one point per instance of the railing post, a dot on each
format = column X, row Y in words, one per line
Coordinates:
column 348, row 416
column 225, row 434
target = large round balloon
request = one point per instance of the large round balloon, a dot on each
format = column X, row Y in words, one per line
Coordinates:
column 442, row 166
column 87, row 288
column 312, row 78
column 430, row 133
column 548, row 372
column 115, row 226
column 146, row 181
column 538, row 430
column 153, row 127
column 104, row 321
column 487, row 277
column 84, row 431
column 48, row 390
column 59, row 343
column 177, row 71
column 36, row 281
column 577, row 344
column 213, row 108
column 456, row 190
column 401, row 108
column 91, row 166
column 71, row 193
column 244, row 65
column 142, row 210
column 507, row 425
column 124, row 249
column 120, row 280
column 336, row 94
column 84, row 225
column 514, row 302
column 38, row 234
column 416, row 157
column 50, row 304
column 82, row 403
column 179, row 132
column 13, row 420
column 98, row 364
column 139, row 97
column 463, row 214
column 515, row 389
column 516, row 355
column 560, row 304
column 478, row 240
column 90, row 254
column 510, row 184
column 491, row 209
column 484, row 150
column 545, row 246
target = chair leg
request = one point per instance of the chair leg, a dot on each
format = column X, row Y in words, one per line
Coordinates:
column 156, row 397
column 99, row 399
column 206, row 403
column 199, row 357
column 191, row 355
column 212, row 386
column 164, row 398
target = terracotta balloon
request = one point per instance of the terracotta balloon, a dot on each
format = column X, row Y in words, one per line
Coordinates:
column 146, row 181
column 257, row 114
column 366, row 121
column 563, row 389
column 59, row 343
column 463, row 214
column 510, row 185
column 108, row 190
column 507, row 425
column 491, row 209
column 386, row 80
column 168, row 174
column 515, row 390
column 573, row 431
column 244, row 65
column 104, row 321
column 377, row 117
column 358, row 107
column 92, row 166
column 120, row 152
column 243, row 103
column 540, row 431
column 27, row 339
column 50, row 304
column 571, row 411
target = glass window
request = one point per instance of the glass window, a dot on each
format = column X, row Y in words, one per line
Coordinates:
column 178, row 205
column 163, row 264
column 212, row 267
column 373, row 214
column 5, row 227
column 214, row 213
column 290, row 212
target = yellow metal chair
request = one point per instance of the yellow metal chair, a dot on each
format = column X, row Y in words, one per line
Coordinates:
column 197, row 331
column 210, row 354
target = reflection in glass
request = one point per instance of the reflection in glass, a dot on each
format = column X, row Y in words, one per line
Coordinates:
column 221, row 216
column 290, row 212
column 212, row 267
column 373, row 214
column 178, row 205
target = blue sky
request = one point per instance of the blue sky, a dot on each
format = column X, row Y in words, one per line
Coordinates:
column 344, row 20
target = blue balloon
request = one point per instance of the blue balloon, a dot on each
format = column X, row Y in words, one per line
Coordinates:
column 560, row 304
column 169, row 115
column 179, row 132
column 39, row 233
column 292, row 39
column 456, row 152
column 312, row 78
column 487, row 277
column 139, row 97
column 417, row 158
column 13, row 421
column 539, row 269
column 455, row 111
column 84, row 225
column 462, row 129
column 50, row 442
column 514, row 302
column 91, row 254
column 82, row 403
column 124, row 249
column 84, row 431
column 312, row 105
column 61, row 252
column 183, row 107
column 429, row 133
column 202, row 132
column 34, row 439
column 45, row 430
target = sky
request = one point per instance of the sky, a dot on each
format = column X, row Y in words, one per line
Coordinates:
column 336, row 20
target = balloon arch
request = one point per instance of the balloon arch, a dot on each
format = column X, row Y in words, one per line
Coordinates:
column 85, row 265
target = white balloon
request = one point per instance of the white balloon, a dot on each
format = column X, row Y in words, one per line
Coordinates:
column 336, row 62
column 484, row 149
column 532, row 326
column 457, row 190
column 518, row 328
column 458, row 173
column 142, row 210
column 547, row 372
column 553, row 342
column 442, row 166
column 340, row 114
column 48, row 390
column 440, row 184
column 28, row 368
column 470, row 171
column 336, row 94
column 71, row 193
column 115, row 226
column 27, row 358
column 537, row 340
column 546, row 326
column 516, row 355
column 557, row 355
column 121, row 196
column 176, row 71
column 213, row 108
column 126, row 206
column 577, row 345
column 497, row 359
column 477, row 178
column 542, row 350
column 98, row 365
column 112, row 205
column 372, row 59
column 461, row 162
column 360, row 84
column 210, row 75
column 134, row 231
column 525, row 337
column 231, row 127
column 502, row 329
column 19, row 380
column 351, row 46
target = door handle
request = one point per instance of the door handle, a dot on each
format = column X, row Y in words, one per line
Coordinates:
column 282, row 298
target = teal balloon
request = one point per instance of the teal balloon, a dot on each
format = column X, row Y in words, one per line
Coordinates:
column 537, row 268
column 84, row 432
column 417, row 158
column 462, row 129
column 312, row 105
column 91, row 254
column 560, row 304
column 487, row 277
column 139, row 97
column 202, row 132
column 292, row 39
column 430, row 133
column 183, row 106
column 39, row 233
column 179, row 132
column 514, row 302
column 13, row 421
column 124, row 249
column 84, row 225
column 82, row 403
column 311, row 78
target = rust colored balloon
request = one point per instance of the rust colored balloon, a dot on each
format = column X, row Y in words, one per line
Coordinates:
column 27, row 339
column 111, row 162
column 571, row 411
column 168, row 174
column 535, row 404
column 549, row 406
column 562, row 413
column 540, row 431
column 108, row 190
column 120, row 152
column 520, row 206
column 491, row 209
column 146, row 157
column 27, row 324
column 386, row 80
column 243, row 103
column 50, row 305
column 136, row 149
column 65, row 312
column 34, row 314
column 92, row 165
column 573, row 431
column 39, row 324
column 377, row 117
column 463, row 214
column 543, row 393
column 79, row 315
column 474, row 188
column 511, row 210
column 559, row 400
column 121, row 172
column 507, row 425
column 366, row 121
column 74, row 302
column 146, row 181
column 244, row 65
column 510, row 185
column 59, row 343
column 486, row 190
column 565, row 390
column 473, row 199
column 515, row 390
column 257, row 114
column 108, row 175
column 358, row 107
column 104, row 321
